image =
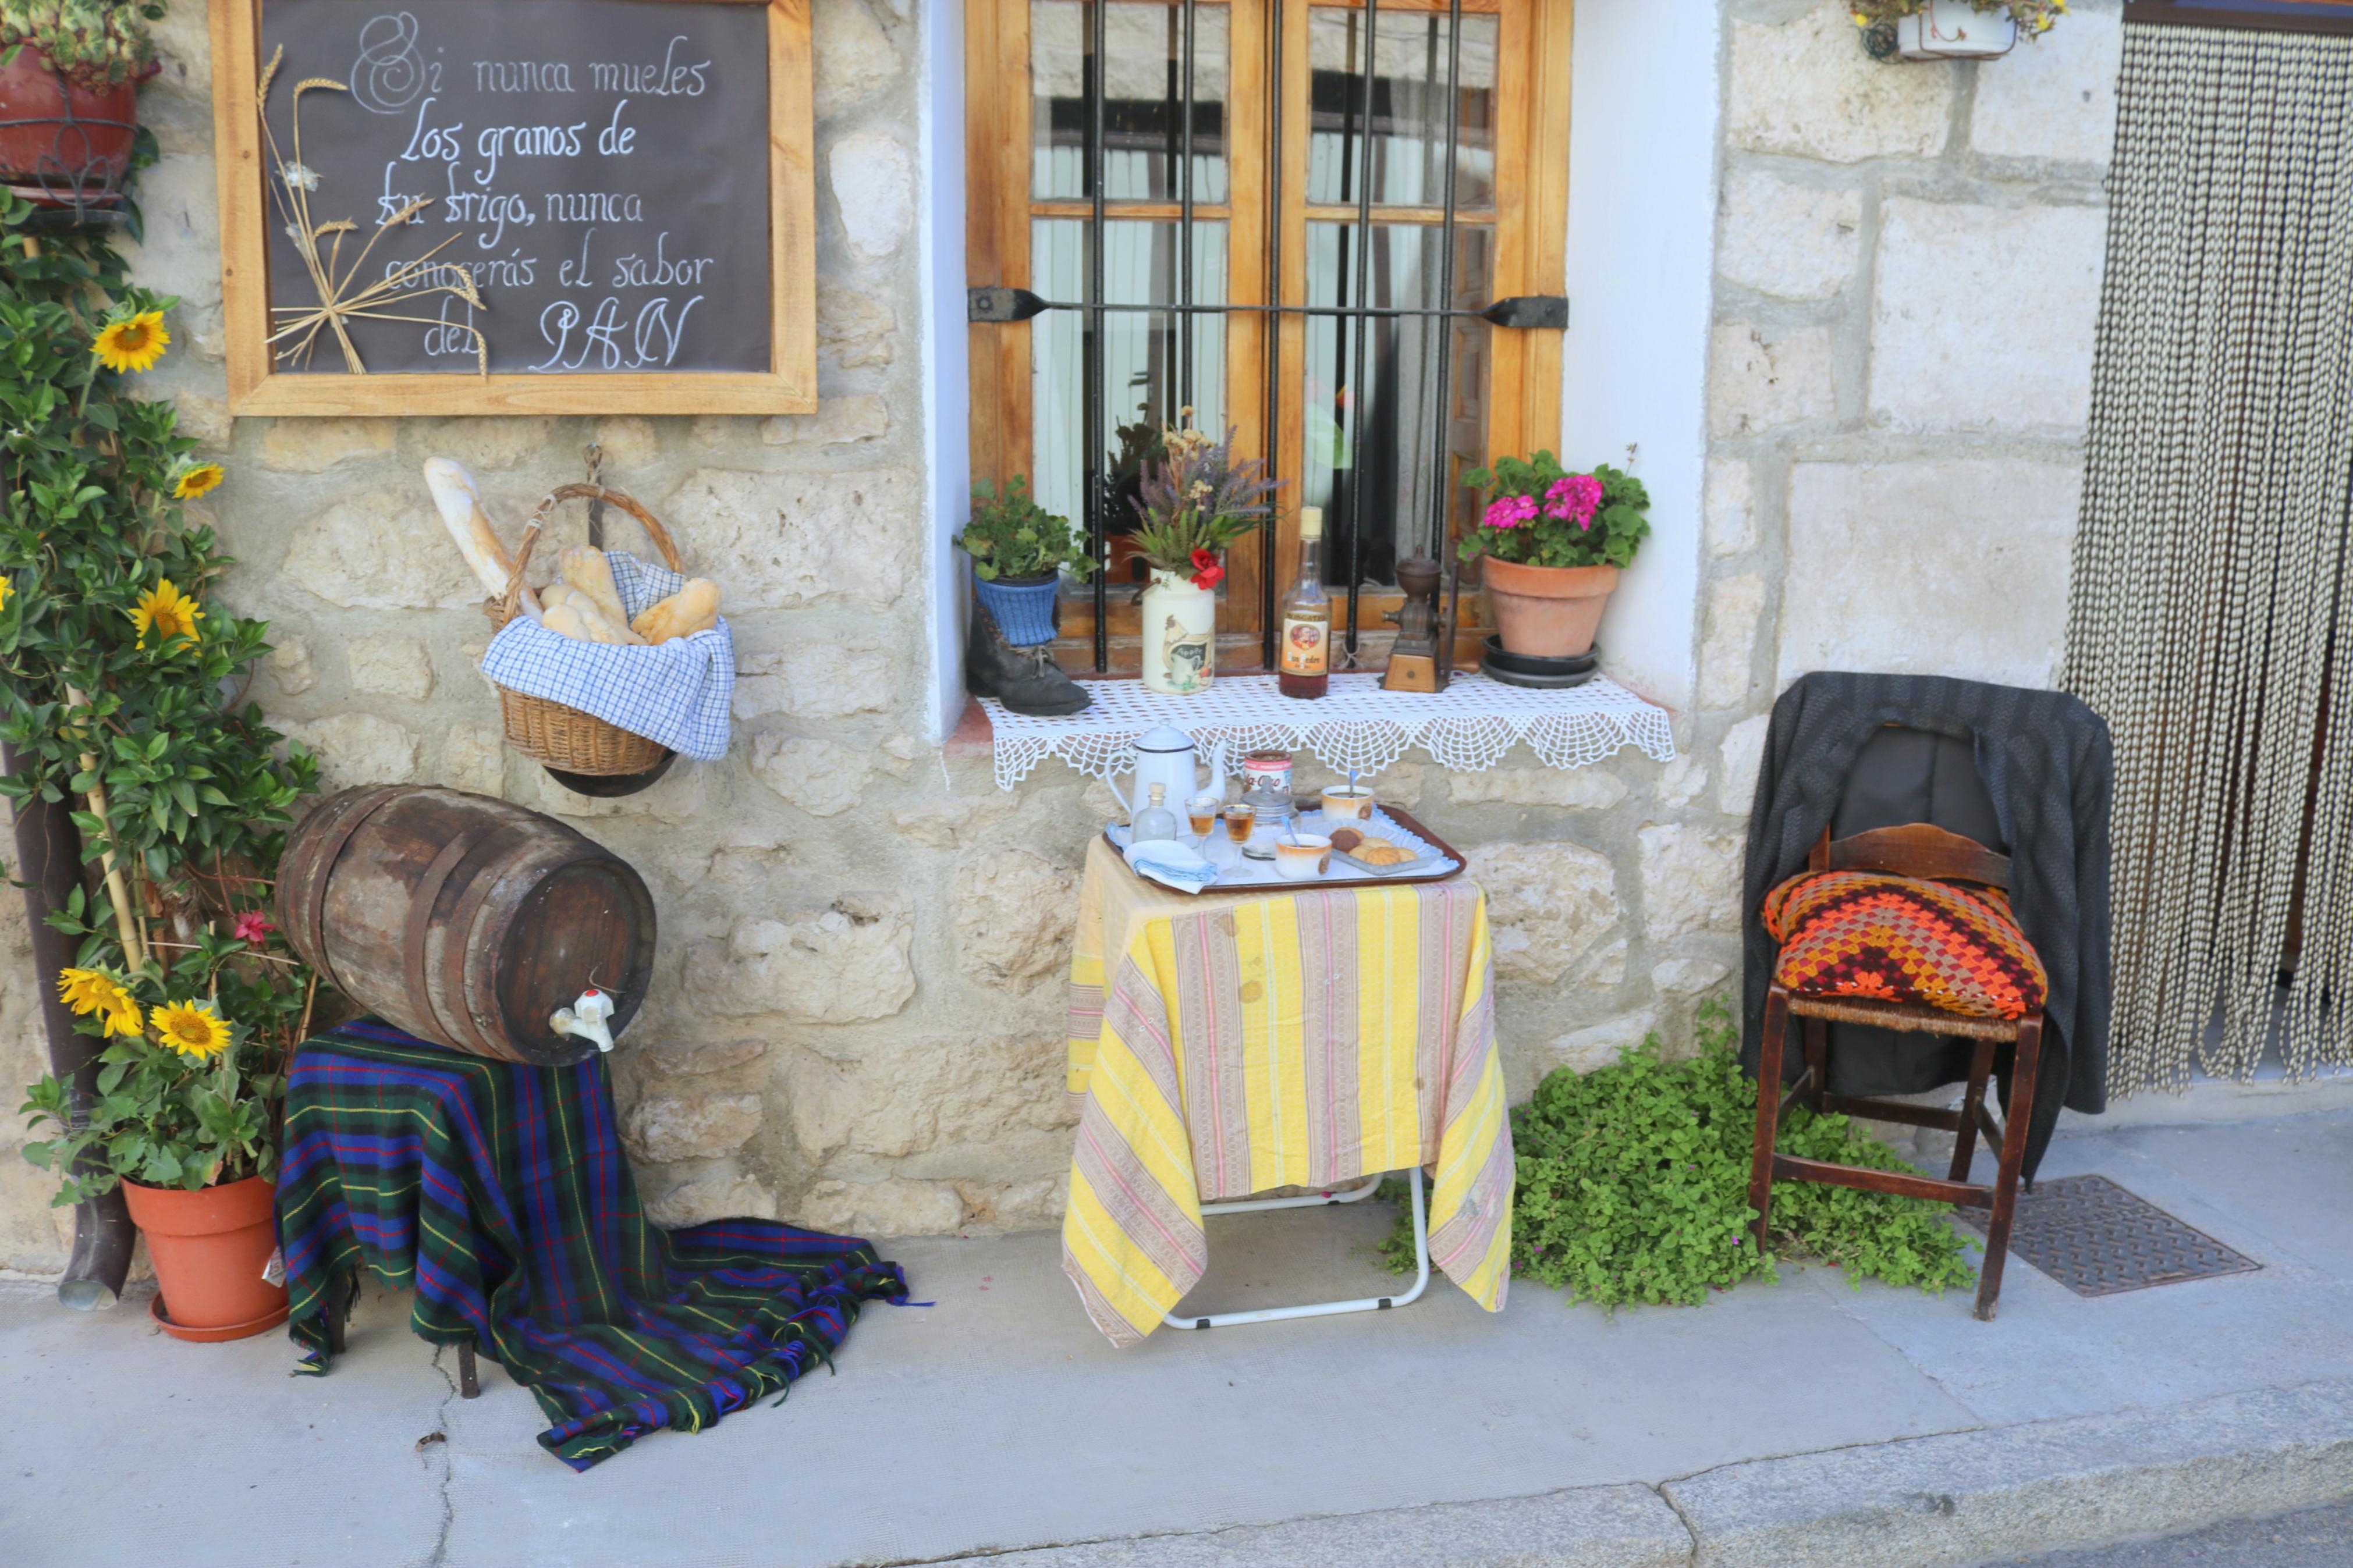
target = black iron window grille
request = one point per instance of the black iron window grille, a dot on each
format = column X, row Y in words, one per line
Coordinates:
column 1371, row 371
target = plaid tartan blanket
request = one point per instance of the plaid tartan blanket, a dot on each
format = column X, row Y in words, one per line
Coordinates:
column 500, row 1194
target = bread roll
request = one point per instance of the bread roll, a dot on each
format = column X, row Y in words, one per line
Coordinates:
column 581, row 621
column 583, row 567
column 461, row 506
column 565, row 620
column 554, row 594
column 692, row 608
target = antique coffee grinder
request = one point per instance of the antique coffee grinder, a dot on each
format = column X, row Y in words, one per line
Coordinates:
column 1419, row 661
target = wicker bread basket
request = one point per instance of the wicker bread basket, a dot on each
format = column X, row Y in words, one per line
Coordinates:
column 550, row 732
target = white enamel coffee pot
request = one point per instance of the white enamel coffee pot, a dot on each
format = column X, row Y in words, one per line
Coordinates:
column 1168, row 756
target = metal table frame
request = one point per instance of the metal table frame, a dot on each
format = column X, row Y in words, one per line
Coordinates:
column 1322, row 1309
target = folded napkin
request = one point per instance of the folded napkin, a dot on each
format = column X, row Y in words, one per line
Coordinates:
column 1172, row 865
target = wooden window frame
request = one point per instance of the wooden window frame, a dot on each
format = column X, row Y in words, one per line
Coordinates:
column 1530, row 225
column 256, row 387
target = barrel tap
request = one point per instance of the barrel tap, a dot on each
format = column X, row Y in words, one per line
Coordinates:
column 586, row 1018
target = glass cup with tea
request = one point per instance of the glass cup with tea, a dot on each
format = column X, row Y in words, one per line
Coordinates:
column 1201, row 813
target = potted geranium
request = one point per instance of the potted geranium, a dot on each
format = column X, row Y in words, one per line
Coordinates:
column 1193, row 501
column 1019, row 551
column 70, row 71
column 1554, row 542
column 185, row 1116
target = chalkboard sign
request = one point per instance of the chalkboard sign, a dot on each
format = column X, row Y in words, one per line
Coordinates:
column 516, row 205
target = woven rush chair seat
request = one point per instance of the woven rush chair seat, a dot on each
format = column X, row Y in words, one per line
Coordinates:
column 1878, row 916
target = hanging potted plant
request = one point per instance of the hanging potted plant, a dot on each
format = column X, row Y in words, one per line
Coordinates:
column 1191, row 503
column 70, row 71
column 184, row 1118
column 1019, row 551
column 1951, row 30
column 1554, row 542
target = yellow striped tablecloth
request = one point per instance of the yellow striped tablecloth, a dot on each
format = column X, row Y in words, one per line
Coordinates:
column 1225, row 1045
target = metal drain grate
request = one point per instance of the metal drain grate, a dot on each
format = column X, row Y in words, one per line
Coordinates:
column 2097, row 1239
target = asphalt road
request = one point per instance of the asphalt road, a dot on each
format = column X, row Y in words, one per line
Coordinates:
column 2316, row 1538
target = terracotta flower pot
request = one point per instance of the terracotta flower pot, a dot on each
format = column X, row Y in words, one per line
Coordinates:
column 210, row 1248
column 1549, row 611
column 46, row 160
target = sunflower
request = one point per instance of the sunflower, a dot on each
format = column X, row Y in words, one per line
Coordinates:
column 88, row 991
column 7, row 588
column 133, row 344
column 192, row 1029
column 203, row 479
column 166, row 612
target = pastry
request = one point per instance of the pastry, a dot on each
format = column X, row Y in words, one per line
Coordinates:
column 1346, row 840
column 1375, row 852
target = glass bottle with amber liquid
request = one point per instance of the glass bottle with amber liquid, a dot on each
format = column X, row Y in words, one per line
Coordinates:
column 1303, row 659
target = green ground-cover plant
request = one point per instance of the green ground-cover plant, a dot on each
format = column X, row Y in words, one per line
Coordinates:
column 1633, row 1188
column 122, row 695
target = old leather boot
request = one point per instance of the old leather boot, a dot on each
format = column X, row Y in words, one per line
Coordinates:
column 1026, row 679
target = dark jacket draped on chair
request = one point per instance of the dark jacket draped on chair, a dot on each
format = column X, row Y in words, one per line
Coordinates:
column 1831, row 761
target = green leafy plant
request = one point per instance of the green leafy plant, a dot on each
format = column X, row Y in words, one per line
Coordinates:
column 1194, row 499
column 1633, row 1188
column 183, row 1099
column 122, row 693
column 1012, row 537
column 94, row 44
column 2034, row 18
column 1540, row 514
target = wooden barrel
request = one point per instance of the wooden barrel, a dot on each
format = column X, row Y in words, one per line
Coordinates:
column 464, row 919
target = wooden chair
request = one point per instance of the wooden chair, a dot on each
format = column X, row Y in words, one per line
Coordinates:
column 1930, row 853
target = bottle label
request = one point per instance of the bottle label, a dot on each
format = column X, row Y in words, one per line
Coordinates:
column 1306, row 648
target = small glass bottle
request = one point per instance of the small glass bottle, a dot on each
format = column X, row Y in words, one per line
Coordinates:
column 1303, row 662
column 1155, row 822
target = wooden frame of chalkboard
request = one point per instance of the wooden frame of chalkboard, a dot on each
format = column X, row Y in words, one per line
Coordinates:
column 258, row 385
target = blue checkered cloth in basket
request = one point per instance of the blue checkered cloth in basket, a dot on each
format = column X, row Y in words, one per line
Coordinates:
column 676, row 693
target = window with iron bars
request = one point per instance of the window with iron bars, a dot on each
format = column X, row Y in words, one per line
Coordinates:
column 1334, row 226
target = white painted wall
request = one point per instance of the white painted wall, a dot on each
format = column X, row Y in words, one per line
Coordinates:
column 946, row 384
column 1641, row 243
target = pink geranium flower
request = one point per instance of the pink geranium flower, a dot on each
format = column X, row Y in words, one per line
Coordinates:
column 1510, row 512
column 252, row 927
column 1574, row 498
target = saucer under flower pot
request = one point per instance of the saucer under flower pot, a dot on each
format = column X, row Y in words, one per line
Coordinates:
column 1536, row 672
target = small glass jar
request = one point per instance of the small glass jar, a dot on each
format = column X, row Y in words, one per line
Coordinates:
column 1268, row 770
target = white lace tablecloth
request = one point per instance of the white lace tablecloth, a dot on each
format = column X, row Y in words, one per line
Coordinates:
column 1467, row 728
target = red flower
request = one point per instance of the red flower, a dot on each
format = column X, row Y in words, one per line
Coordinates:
column 1206, row 572
column 251, row 926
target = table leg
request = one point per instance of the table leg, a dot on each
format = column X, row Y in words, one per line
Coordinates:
column 1325, row 1309
column 470, row 1386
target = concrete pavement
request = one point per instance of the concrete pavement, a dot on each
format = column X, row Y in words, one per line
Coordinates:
column 1799, row 1422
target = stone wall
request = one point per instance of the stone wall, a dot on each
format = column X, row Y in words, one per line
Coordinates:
column 857, row 1020
column 1908, row 274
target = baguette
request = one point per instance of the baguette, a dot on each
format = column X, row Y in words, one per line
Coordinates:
column 461, row 506
column 691, row 609
column 584, row 570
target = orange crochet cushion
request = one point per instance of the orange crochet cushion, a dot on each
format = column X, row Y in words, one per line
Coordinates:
column 1899, row 938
